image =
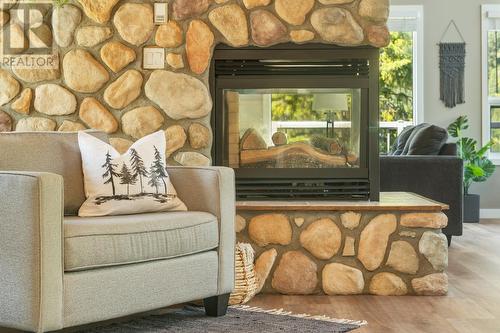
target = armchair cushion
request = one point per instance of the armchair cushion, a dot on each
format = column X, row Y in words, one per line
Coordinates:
column 92, row 242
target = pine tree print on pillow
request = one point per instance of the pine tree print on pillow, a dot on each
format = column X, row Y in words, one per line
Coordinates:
column 132, row 183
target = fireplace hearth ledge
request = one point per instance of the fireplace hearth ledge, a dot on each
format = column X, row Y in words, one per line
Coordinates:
column 392, row 247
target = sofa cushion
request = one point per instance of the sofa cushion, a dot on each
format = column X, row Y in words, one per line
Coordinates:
column 54, row 152
column 92, row 242
column 428, row 140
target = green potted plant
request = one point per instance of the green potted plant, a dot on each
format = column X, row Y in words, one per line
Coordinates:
column 477, row 166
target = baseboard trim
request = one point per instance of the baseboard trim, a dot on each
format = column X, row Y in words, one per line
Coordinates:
column 490, row 213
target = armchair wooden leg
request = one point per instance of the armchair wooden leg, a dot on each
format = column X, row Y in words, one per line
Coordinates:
column 216, row 306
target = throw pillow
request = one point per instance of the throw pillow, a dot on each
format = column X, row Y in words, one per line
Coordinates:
column 132, row 183
column 428, row 141
column 400, row 143
column 416, row 129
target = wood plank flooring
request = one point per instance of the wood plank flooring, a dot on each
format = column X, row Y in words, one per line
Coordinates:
column 473, row 303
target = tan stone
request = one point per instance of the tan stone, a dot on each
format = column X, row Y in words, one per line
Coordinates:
column 91, row 36
column 82, row 72
column 387, row 284
column 199, row 136
column 99, row 11
column 176, row 138
column 191, row 158
column 263, row 266
column 199, row 42
column 35, row 124
column 293, row 11
column 335, row 2
column 23, row 103
column 179, row 95
column 142, row 121
column 4, row 18
column 169, row 35
column 35, row 75
column 406, row 233
column 71, row 126
column 255, row 3
column 299, row 221
column 267, row 29
column 337, row 25
column 374, row 239
column 40, row 37
column 54, row 100
column 301, row 36
column 378, row 35
column 339, row 279
column 121, row 145
column 424, row 220
column 125, row 90
column 350, row 220
column 96, row 116
column 9, row 87
column 376, row 10
column 322, row 238
column 184, row 9
column 175, row 60
column 431, row 285
column 296, row 274
column 117, row 56
column 221, row 1
column 349, row 247
column 65, row 20
column 18, row 42
column 239, row 223
column 134, row 22
column 403, row 257
column 434, row 247
column 268, row 229
column 232, row 23
column 5, row 122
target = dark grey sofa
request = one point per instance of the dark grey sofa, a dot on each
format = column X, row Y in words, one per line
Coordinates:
column 438, row 177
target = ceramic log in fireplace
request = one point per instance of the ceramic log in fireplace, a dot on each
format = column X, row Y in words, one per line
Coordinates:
column 298, row 122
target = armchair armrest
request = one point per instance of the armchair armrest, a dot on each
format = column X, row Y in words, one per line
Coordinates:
column 31, row 253
column 212, row 190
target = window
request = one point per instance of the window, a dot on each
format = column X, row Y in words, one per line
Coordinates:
column 401, row 74
column 491, row 77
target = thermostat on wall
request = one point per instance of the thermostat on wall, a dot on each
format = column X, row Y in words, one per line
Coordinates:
column 161, row 12
column 153, row 58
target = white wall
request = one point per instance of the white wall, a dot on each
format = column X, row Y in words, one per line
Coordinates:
column 467, row 15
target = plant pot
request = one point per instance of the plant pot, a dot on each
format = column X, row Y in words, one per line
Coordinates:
column 471, row 208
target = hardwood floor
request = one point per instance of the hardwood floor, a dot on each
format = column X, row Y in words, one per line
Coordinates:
column 473, row 303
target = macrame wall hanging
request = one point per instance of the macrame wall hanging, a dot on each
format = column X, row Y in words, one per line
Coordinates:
column 452, row 68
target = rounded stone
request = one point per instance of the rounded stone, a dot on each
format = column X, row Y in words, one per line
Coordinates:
column 179, row 95
column 99, row 11
column 293, row 11
column 376, row 10
column 40, row 37
column 142, row 121
column 176, row 138
column 378, row 35
column 349, row 247
column 267, row 29
column 232, row 23
column 339, row 279
column 299, row 221
column 134, row 22
column 5, row 122
column 337, row 25
column 65, row 20
column 169, row 35
column 263, row 265
column 199, row 136
column 18, row 41
column 96, row 116
column 249, row 4
column 23, row 103
column 117, row 56
column 239, row 223
column 431, row 285
column 124, row 90
column 121, row 145
column 350, row 220
column 54, row 100
column 387, row 284
column 296, row 274
column 82, row 72
column 71, row 126
column 35, row 75
column 91, row 36
column 403, row 257
column 270, row 229
column 184, row 9
column 434, row 247
column 175, row 60
column 424, row 220
column 301, row 36
column 322, row 238
column 374, row 239
column 191, row 158
column 35, row 124
column 199, row 42
column 9, row 87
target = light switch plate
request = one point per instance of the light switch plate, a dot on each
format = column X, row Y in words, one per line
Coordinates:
column 153, row 58
column 161, row 12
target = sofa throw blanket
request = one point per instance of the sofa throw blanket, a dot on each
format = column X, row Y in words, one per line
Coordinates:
column 132, row 183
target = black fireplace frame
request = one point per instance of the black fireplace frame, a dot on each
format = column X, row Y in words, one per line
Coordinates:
column 366, row 178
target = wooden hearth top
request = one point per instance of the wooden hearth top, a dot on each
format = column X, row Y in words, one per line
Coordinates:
column 389, row 201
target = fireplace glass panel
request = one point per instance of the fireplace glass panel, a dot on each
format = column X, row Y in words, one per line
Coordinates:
column 293, row 128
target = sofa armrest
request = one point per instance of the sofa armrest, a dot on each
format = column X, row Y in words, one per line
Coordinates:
column 212, row 190
column 31, row 253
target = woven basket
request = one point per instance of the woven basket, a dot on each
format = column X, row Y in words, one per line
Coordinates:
column 245, row 280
